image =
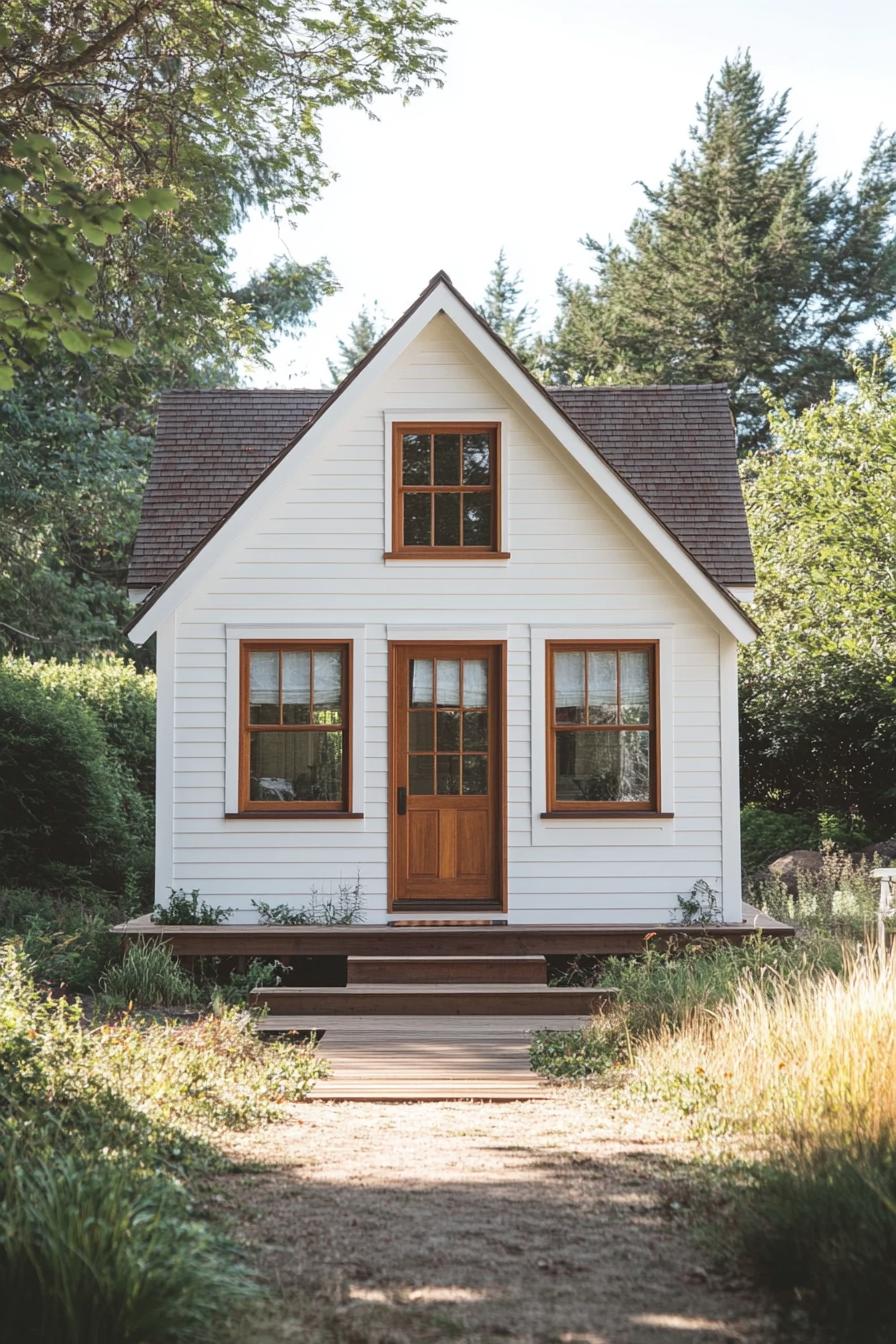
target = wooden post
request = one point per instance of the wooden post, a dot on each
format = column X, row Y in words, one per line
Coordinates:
column 885, row 909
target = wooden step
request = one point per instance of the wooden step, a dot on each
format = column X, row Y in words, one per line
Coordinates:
column 433, row 1000
column 447, row 970
column 363, row 1030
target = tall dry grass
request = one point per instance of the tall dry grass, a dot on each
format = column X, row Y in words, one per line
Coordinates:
column 802, row 1075
column 811, row 1062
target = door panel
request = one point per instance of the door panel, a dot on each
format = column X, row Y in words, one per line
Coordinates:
column 446, row 742
column 423, row 844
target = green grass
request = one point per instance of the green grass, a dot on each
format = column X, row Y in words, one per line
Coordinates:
column 106, row 1130
column 664, row 989
column 804, row 1082
column 95, row 1250
column 148, row 976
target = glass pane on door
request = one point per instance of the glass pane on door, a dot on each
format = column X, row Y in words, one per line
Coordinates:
column 448, row 726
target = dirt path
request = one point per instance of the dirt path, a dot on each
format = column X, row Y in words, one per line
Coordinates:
column 543, row 1221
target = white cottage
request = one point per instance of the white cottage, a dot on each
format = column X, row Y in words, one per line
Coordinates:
column 471, row 638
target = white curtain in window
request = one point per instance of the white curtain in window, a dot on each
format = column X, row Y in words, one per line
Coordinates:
column 264, row 678
column 327, row 679
column 569, row 680
column 296, row 678
column 475, row 683
column 421, row 682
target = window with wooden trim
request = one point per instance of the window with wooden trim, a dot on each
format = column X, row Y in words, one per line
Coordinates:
column 446, row 495
column 602, row 727
column 295, row 748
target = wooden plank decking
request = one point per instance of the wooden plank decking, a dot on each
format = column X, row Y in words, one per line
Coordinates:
column 378, row 940
column 447, row 999
column 426, row 1059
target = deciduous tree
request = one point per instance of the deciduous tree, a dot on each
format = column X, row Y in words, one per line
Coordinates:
column 818, row 688
column 114, row 110
column 137, row 135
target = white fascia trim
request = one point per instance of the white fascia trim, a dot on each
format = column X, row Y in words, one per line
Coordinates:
column 544, row 828
column 499, row 417
column 625, row 499
column 741, row 592
column 138, row 595
column 441, row 299
column 234, row 635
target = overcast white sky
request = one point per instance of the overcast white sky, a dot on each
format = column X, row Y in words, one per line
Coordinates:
column 549, row 115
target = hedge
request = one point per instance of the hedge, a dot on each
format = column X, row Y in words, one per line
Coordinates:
column 71, row 803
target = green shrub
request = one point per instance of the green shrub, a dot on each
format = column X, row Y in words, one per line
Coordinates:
column 94, row 1251
column 818, row 734
column 210, row 1073
column 577, row 1055
column 766, row 833
column 699, row 906
column 840, row 899
column 122, row 698
column 67, row 806
column 665, row 988
column 148, row 976
column 104, row 1128
column 183, row 909
column 239, row 984
column 66, row 934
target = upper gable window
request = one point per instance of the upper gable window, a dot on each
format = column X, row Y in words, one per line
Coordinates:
column 446, row 497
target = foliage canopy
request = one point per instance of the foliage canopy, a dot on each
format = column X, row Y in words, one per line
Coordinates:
column 120, row 120
column 818, row 689
column 744, row 267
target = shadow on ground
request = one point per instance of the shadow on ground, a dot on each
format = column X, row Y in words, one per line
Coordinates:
column 474, row 1223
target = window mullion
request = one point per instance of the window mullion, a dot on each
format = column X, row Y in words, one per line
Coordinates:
column 618, row 689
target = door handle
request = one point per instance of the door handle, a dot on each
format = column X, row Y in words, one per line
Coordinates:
column 402, row 802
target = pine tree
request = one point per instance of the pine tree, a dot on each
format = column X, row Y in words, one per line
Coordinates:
column 505, row 313
column 363, row 334
column 743, row 267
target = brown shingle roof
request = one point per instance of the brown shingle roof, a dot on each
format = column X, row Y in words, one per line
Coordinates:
column 674, row 445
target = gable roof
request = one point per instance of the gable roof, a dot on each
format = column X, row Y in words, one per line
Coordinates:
column 673, row 445
column 440, row 296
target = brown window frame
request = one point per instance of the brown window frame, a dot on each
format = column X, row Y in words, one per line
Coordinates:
column 296, row 808
column 399, row 550
column 558, row 807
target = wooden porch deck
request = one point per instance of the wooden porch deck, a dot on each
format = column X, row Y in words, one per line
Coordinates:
column 447, row 939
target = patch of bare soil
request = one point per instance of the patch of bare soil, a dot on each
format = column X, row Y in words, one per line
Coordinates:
column 544, row 1222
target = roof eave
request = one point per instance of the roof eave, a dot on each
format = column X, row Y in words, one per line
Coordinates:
column 440, row 295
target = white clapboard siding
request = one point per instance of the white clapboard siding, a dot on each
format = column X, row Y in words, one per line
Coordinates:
column 316, row 558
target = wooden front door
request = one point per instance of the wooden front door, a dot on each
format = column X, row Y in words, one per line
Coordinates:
column 447, row 771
